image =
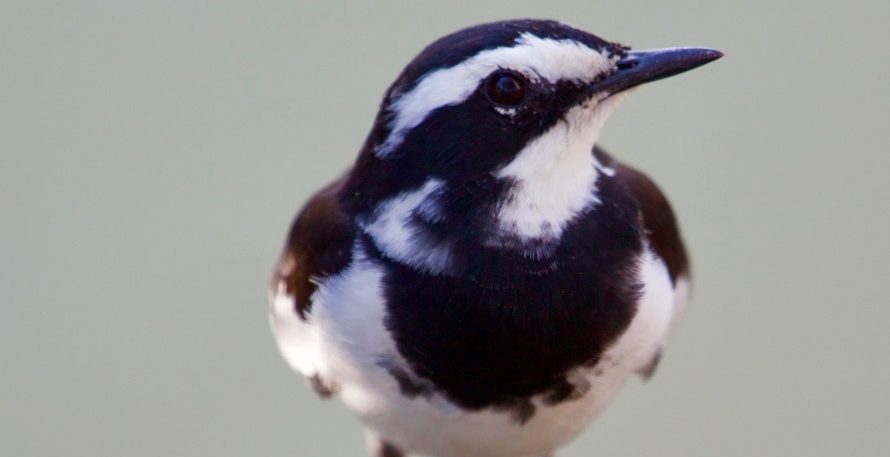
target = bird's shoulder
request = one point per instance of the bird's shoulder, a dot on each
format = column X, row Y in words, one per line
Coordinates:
column 319, row 245
column 659, row 223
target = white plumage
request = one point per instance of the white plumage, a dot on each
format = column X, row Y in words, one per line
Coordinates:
column 344, row 338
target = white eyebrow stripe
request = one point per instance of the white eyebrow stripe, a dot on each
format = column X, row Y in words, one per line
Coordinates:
column 535, row 57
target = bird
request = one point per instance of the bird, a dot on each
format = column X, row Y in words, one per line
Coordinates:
column 485, row 277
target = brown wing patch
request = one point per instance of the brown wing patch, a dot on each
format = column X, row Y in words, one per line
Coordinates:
column 658, row 218
column 319, row 245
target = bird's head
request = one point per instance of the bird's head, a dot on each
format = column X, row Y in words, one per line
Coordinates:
column 487, row 135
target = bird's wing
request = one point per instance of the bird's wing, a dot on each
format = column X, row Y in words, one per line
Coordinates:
column 319, row 245
column 659, row 222
column 661, row 231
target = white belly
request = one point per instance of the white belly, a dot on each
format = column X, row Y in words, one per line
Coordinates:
column 344, row 339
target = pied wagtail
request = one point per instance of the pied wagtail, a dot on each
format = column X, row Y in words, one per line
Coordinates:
column 484, row 278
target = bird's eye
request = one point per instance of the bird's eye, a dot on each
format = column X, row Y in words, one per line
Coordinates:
column 506, row 89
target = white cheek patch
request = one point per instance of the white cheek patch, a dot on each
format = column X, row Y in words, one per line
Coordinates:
column 552, row 60
column 555, row 175
column 394, row 234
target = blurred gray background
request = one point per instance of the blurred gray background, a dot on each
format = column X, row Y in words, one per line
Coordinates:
column 152, row 155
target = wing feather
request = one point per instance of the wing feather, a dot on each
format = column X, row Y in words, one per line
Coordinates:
column 663, row 238
column 319, row 245
column 659, row 223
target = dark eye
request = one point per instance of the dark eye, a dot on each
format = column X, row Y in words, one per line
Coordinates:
column 506, row 89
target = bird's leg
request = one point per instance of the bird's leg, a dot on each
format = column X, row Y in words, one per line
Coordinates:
column 379, row 448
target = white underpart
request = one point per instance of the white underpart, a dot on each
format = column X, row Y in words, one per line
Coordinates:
column 345, row 337
column 298, row 340
column 682, row 288
column 535, row 57
column 393, row 233
column 555, row 175
column 648, row 331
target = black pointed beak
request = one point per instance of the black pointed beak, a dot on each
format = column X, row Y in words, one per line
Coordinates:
column 640, row 67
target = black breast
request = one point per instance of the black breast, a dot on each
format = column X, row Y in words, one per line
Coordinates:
column 511, row 328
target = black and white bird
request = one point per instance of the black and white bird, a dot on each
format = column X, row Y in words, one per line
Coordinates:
column 485, row 278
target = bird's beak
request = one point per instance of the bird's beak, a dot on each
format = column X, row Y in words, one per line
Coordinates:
column 639, row 67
